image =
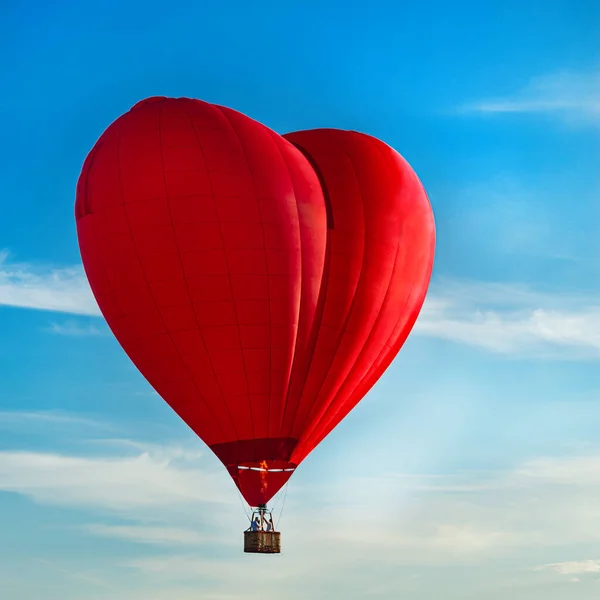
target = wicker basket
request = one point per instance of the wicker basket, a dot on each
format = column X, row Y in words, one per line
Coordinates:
column 263, row 542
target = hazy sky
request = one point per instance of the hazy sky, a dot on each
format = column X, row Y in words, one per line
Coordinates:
column 472, row 470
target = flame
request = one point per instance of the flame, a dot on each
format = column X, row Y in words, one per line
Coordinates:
column 263, row 476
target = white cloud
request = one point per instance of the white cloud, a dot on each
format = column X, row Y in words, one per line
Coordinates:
column 502, row 318
column 571, row 96
column 574, row 568
column 147, row 534
column 177, row 504
column 73, row 328
column 46, row 425
column 394, row 526
column 26, row 418
column 512, row 320
column 418, row 517
column 60, row 290
column 125, row 484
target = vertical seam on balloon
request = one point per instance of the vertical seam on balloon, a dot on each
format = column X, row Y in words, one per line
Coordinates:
column 306, row 434
column 100, row 256
column 427, row 276
column 310, row 434
column 324, row 432
column 326, row 195
column 103, row 264
column 324, row 285
column 292, row 364
column 315, row 329
column 410, row 296
column 237, row 320
column 87, row 207
column 144, row 274
column 344, row 326
column 231, row 287
column 323, row 424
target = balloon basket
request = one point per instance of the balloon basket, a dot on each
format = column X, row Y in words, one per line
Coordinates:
column 262, row 542
column 262, row 537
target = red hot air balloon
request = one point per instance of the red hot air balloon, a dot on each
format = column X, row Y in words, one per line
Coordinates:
column 261, row 283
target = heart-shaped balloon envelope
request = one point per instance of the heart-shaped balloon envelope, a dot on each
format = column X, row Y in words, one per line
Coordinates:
column 260, row 283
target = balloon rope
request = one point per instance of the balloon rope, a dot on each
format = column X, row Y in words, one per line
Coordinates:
column 282, row 505
column 244, row 507
column 276, row 500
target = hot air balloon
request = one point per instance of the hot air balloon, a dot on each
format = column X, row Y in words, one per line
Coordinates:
column 261, row 283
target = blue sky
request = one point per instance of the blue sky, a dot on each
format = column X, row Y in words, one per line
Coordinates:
column 473, row 467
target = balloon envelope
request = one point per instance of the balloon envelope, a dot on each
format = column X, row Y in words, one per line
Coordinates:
column 260, row 283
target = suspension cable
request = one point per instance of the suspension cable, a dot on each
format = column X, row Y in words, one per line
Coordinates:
column 282, row 505
column 248, row 516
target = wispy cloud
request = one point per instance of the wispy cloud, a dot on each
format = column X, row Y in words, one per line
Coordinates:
column 538, row 508
column 433, row 521
column 432, row 517
column 502, row 318
column 573, row 568
column 73, row 328
column 53, row 289
column 512, row 320
column 571, row 96
column 147, row 534
column 47, row 425
column 127, row 484
column 26, row 418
